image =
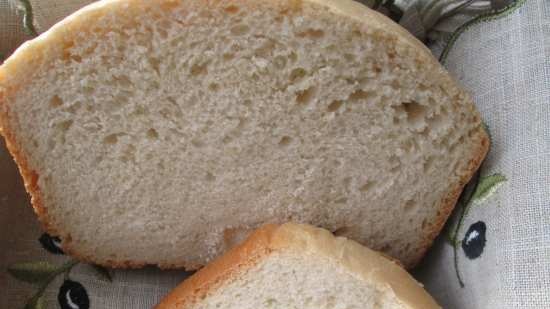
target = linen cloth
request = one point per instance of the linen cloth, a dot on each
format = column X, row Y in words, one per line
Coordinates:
column 502, row 243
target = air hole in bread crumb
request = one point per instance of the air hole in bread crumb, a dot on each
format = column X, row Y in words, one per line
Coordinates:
column 360, row 95
column 199, row 69
column 410, row 205
column 88, row 90
column 197, row 143
column 240, row 29
column 297, row 74
column 409, row 146
column 155, row 63
column 394, row 162
column 111, row 139
column 209, row 177
column 232, row 9
column 428, row 163
column 265, row 50
column 76, row 58
column 334, row 106
column 152, row 134
column 415, row 113
column 74, row 108
column 228, row 56
column 285, row 141
column 162, row 33
column 347, row 180
column 306, row 96
column 122, row 81
column 129, row 154
column 56, row 101
column 139, row 110
column 65, row 125
column 312, row 34
column 349, row 57
column 214, row 86
column 293, row 57
column 341, row 200
column 279, row 18
column 367, row 186
column 160, row 165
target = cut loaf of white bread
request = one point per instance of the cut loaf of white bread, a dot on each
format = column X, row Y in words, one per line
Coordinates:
column 302, row 267
column 163, row 131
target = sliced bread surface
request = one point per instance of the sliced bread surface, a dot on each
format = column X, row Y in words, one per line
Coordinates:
column 162, row 132
column 299, row 266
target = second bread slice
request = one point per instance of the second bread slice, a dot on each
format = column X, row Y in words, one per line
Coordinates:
column 299, row 266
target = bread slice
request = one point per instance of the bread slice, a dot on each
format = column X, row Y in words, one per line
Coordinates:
column 162, row 132
column 299, row 266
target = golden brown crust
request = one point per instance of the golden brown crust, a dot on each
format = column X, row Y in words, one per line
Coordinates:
column 451, row 198
column 355, row 10
column 362, row 262
column 30, row 177
column 20, row 67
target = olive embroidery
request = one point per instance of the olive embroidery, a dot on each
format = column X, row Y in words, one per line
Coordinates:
column 72, row 295
column 476, row 192
column 51, row 244
column 474, row 240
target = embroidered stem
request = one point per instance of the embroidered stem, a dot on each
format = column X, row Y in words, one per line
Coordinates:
column 465, row 202
column 28, row 17
column 455, row 10
column 494, row 14
column 64, row 269
column 68, row 267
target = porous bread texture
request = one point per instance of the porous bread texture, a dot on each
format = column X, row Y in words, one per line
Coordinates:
column 299, row 266
column 162, row 132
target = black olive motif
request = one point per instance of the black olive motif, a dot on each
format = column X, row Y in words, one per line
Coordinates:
column 51, row 244
column 474, row 240
column 72, row 295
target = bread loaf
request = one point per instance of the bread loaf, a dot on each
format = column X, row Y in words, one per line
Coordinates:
column 298, row 266
column 163, row 131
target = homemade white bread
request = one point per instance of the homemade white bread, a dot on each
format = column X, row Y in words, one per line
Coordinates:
column 162, row 132
column 299, row 266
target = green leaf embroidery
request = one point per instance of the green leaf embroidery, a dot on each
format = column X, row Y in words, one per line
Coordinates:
column 487, row 186
column 28, row 18
column 496, row 14
column 102, row 273
column 33, row 272
column 40, row 273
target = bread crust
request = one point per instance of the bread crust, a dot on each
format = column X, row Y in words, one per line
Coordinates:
column 451, row 198
column 364, row 263
column 19, row 68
